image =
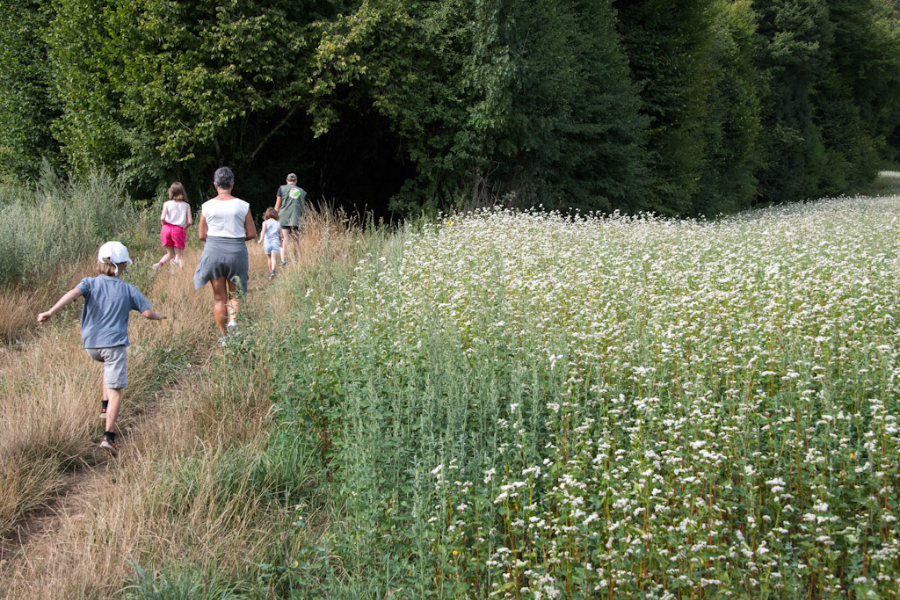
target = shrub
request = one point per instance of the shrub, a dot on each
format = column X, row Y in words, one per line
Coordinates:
column 51, row 223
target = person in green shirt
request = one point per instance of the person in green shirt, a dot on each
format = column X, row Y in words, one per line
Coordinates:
column 290, row 202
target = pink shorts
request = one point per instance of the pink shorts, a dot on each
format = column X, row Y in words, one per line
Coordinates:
column 172, row 235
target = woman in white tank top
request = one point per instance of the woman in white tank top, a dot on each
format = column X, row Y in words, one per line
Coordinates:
column 225, row 225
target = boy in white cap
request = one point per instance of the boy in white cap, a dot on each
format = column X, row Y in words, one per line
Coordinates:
column 108, row 302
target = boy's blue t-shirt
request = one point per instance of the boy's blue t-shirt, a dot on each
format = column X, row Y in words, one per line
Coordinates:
column 108, row 301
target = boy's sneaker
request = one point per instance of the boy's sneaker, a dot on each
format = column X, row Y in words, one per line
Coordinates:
column 283, row 263
column 271, row 274
column 109, row 447
column 155, row 266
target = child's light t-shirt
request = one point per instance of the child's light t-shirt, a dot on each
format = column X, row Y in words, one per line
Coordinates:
column 176, row 212
column 271, row 232
column 108, row 302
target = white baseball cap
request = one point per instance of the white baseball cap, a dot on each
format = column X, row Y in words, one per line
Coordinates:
column 116, row 252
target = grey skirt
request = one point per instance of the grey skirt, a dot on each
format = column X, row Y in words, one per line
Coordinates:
column 223, row 257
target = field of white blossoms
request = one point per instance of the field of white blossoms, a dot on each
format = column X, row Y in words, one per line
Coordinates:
column 528, row 405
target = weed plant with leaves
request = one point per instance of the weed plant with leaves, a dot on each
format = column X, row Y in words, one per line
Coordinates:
column 529, row 405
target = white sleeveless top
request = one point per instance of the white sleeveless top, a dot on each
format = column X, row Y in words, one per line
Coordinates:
column 225, row 218
column 176, row 213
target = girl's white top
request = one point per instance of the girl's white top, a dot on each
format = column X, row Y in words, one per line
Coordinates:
column 271, row 229
column 176, row 212
column 225, row 218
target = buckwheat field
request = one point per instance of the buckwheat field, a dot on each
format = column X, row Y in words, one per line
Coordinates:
column 528, row 405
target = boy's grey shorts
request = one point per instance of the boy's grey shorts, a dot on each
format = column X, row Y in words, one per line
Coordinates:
column 115, row 376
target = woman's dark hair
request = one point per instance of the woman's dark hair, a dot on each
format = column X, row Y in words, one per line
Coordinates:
column 177, row 192
column 270, row 213
column 223, row 178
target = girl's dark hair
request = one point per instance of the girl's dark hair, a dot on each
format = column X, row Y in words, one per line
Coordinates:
column 223, row 178
column 270, row 213
column 177, row 192
column 107, row 268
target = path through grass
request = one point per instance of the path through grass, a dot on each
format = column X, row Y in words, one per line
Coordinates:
column 193, row 497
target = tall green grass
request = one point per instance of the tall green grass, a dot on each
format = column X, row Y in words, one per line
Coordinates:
column 180, row 584
column 52, row 222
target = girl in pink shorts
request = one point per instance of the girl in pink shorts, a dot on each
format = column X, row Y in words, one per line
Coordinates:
column 175, row 217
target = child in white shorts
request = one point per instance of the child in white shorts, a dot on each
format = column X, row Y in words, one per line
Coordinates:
column 108, row 302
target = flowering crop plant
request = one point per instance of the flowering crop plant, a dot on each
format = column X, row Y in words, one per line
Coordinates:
column 532, row 405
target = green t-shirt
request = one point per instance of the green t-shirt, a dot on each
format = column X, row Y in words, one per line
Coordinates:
column 293, row 205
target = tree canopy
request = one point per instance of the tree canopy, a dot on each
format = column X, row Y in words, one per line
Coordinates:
column 681, row 107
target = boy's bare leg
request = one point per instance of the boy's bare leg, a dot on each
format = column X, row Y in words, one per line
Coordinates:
column 283, row 244
column 112, row 409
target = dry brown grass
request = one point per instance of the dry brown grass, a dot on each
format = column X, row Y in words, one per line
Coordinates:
column 19, row 302
column 16, row 306
column 167, row 497
column 329, row 238
column 35, row 449
column 164, row 499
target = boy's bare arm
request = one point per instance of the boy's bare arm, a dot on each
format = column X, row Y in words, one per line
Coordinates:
column 153, row 315
column 66, row 299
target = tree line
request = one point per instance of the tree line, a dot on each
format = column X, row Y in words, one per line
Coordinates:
column 682, row 107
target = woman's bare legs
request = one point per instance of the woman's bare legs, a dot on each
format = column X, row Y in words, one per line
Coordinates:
column 225, row 305
column 220, row 303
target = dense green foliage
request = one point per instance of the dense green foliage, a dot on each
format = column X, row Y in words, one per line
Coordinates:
column 27, row 105
column 822, row 64
column 691, row 107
